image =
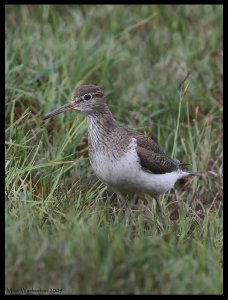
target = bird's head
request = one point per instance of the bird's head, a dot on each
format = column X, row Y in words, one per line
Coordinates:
column 86, row 98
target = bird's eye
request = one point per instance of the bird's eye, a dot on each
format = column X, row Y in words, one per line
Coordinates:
column 87, row 97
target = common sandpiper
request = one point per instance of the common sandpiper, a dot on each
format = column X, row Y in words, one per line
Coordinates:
column 124, row 159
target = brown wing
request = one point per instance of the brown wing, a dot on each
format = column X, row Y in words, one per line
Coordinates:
column 152, row 157
column 144, row 141
column 148, row 144
column 155, row 162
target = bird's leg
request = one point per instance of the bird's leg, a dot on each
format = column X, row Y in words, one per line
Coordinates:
column 159, row 208
column 160, row 213
column 120, row 196
column 175, row 195
column 174, row 211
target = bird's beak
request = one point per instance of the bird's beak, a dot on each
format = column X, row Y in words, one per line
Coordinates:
column 60, row 110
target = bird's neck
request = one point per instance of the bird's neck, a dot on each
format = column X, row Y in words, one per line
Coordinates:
column 100, row 124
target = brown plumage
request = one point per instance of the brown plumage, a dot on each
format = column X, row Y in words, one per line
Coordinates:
column 152, row 157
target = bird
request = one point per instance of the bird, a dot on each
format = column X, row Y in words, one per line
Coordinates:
column 126, row 160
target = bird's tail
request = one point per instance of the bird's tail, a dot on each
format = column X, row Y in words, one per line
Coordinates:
column 191, row 173
column 187, row 171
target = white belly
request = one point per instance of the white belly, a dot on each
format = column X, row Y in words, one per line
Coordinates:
column 126, row 175
column 117, row 172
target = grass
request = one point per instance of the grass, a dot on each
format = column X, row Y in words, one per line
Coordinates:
column 64, row 233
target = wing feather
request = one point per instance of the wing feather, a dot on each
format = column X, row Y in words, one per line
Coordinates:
column 155, row 162
column 152, row 158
